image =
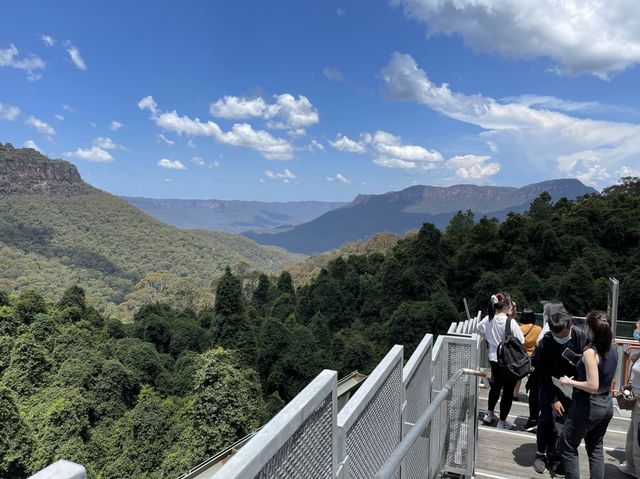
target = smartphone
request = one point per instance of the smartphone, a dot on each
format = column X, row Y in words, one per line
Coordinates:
column 570, row 356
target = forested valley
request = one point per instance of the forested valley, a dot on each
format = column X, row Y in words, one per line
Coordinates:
column 156, row 396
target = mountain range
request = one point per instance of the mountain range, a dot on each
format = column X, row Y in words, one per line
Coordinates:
column 231, row 216
column 399, row 211
column 56, row 230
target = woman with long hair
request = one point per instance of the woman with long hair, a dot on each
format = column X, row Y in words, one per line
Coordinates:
column 591, row 409
column 492, row 328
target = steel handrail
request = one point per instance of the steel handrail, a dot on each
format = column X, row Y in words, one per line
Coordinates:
column 394, row 461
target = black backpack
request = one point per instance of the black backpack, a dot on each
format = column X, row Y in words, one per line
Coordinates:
column 513, row 360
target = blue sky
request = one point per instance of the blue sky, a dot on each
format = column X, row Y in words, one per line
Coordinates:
column 323, row 100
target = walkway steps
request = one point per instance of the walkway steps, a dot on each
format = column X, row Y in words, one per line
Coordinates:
column 510, row 454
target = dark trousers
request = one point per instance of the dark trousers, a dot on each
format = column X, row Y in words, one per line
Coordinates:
column 534, row 396
column 589, row 416
column 549, row 425
column 500, row 383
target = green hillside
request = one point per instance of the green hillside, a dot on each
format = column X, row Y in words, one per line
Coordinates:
column 53, row 236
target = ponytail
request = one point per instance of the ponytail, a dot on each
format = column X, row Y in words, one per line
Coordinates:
column 498, row 302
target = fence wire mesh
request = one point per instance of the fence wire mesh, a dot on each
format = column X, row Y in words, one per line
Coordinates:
column 418, row 398
column 378, row 430
column 307, row 453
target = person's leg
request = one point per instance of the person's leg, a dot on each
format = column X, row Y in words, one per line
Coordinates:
column 516, row 390
column 574, row 429
column 544, row 433
column 507, row 398
column 600, row 414
column 534, row 398
column 496, row 386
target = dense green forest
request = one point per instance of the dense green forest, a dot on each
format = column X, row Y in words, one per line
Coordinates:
column 152, row 398
column 106, row 245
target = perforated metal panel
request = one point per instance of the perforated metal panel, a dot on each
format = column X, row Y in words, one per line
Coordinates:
column 436, row 439
column 417, row 380
column 370, row 425
column 299, row 442
column 307, row 453
column 460, row 428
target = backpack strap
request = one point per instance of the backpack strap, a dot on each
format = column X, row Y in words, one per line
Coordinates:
column 507, row 328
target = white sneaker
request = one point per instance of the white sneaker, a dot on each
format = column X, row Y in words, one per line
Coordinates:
column 489, row 417
column 503, row 425
column 627, row 469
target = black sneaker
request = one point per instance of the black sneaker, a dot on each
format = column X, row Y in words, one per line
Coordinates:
column 531, row 425
column 540, row 463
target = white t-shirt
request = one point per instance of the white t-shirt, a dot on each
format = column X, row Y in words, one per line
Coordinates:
column 493, row 332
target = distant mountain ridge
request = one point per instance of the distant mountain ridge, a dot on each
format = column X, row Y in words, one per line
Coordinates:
column 56, row 230
column 231, row 216
column 399, row 211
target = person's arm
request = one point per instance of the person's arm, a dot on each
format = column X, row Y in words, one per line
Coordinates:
column 592, row 384
column 517, row 332
column 482, row 325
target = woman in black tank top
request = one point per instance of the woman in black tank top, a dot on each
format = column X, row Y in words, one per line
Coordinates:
column 592, row 408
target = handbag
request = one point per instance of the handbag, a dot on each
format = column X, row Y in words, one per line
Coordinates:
column 625, row 397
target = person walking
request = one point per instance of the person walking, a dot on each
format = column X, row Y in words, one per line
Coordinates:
column 631, row 466
column 550, row 362
column 530, row 331
column 592, row 408
column 492, row 328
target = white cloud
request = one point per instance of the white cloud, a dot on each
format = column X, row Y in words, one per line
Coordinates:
column 241, row 134
column 315, row 146
column 191, row 144
column 67, row 108
column 9, row 58
column 343, row 143
column 32, row 144
column 553, row 103
column 92, row 124
column 600, row 37
column 105, row 143
column 287, row 112
column 198, row 161
column 76, row 58
column 333, row 74
column 473, row 167
column 41, row 126
column 148, row 103
column 115, row 125
column 297, row 132
column 548, row 140
column 627, row 171
column 48, row 40
column 214, row 164
column 340, row 178
column 168, row 180
column 171, row 164
column 95, row 154
column 389, row 151
column 59, row 117
column 8, row 112
column 238, row 108
column 165, row 140
column 286, row 176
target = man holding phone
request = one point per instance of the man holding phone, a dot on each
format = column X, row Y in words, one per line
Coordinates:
column 556, row 356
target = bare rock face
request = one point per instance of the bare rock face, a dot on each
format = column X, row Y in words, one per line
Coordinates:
column 25, row 171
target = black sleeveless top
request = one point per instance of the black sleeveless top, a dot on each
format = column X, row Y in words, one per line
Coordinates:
column 606, row 371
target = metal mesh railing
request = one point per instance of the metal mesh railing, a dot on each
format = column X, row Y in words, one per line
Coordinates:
column 436, row 441
column 370, row 425
column 417, row 382
column 299, row 442
column 308, row 451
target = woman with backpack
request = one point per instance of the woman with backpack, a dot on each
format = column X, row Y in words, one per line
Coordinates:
column 493, row 329
column 591, row 409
